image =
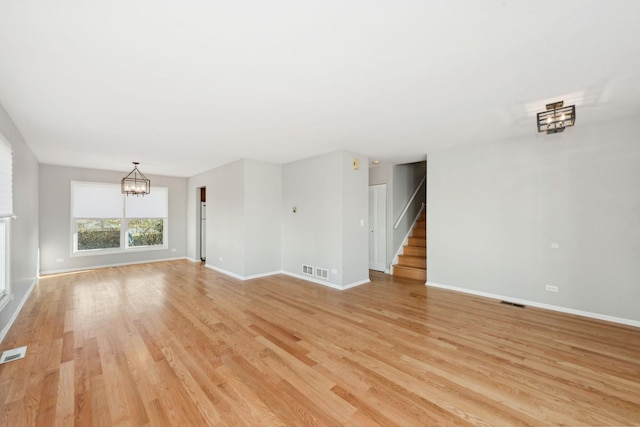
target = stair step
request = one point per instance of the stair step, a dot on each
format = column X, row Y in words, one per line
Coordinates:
column 412, row 261
column 421, row 224
column 415, row 251
column 409, row 272
column 417, row 241
column 419, row 232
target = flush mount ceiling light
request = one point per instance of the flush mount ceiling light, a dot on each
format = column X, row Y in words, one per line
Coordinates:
column 135, row 183
column 556, row 118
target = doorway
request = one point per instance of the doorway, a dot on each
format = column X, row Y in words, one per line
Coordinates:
column 202, row 223
column 378, row 227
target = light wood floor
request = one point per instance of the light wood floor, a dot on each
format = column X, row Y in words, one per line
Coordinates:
column 176, row 344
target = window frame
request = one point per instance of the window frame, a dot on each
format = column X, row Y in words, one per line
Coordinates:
column 6, row 295
column 6, row 217
column 124, row 227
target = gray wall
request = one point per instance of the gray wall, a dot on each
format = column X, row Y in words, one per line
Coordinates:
column 496, row 212
column 252, row 231
column 355, row 220
column 24, row 229
column 331, row 199
column 225, row 217
column 243, row 217
column 312, row 235
column 55, row 223
column 263, row 213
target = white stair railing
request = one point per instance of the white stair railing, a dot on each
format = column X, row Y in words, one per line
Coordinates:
column 411, row 199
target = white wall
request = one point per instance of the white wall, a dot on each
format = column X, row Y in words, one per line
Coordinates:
column 24, row 238
column 495, row 210
column 55, row 222
column 330, row 198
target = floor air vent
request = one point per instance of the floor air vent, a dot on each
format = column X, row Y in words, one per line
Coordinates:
column 15, row 354
column 307, row 269
column 515, row 304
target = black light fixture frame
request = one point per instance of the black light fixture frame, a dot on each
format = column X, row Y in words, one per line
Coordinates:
column 135, row 184
column 557, row 117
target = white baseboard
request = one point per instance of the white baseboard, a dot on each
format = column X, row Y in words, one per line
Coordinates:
column 237, row 276
column 566, row 310
column 354, row 284
column 94, row 267
column 225, row 272
column 297, row 276
column 323, row 283
column 257, row 276
column 14, row 316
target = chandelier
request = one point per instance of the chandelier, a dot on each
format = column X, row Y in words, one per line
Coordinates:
column 135, row 183
column 556, row 118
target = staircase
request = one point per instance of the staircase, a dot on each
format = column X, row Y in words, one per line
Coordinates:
column 412, row 264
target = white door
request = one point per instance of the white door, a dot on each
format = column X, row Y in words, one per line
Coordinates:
column 378, row 227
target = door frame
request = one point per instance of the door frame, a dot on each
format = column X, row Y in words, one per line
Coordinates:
column 381, row 190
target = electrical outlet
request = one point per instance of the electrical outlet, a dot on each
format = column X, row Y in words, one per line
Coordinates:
column 174, row 250
column 551, row 288
column 59, row 259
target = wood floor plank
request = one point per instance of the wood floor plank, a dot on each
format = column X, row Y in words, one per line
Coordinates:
column 173, row 343
column 65, row 401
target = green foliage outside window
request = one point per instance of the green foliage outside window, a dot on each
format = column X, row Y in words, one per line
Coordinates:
column 105, row 233
column 98, row 233
column 145, row 232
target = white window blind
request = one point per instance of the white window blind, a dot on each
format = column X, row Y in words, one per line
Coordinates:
column 96, row 200
column 6, row 179
column 153, row 205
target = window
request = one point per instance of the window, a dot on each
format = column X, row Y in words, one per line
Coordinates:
column 6, row 212
column 106, row 221
column 97, row 233
column 5, row 262
column 146, row 217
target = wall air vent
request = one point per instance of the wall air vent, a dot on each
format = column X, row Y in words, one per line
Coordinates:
column 307, row 269
column 322, row 273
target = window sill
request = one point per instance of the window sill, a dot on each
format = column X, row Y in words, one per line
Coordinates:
column 97, row 252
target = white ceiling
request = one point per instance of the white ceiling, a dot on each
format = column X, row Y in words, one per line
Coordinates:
column 183, row 87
